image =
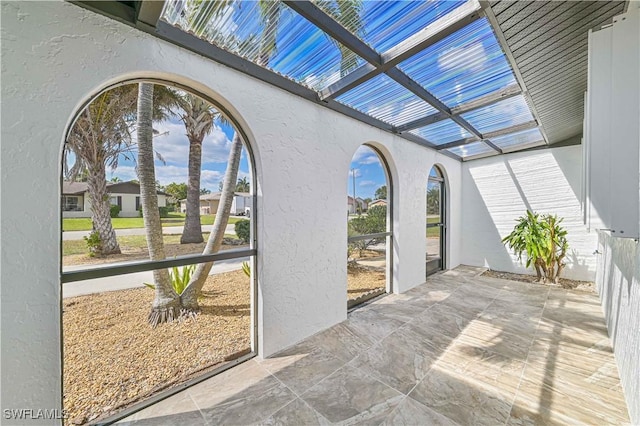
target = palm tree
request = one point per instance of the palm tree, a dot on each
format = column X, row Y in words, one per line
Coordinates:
column 97, row 140
column 242, row 185
column 166, row 304
column 347, row 13
column 189, row 297
column 270, row 15
column 198, row 117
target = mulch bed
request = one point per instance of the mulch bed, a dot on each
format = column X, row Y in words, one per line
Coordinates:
column 587, row 286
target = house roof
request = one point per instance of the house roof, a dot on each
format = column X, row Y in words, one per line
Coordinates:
column 79, row 188
column 74, row 188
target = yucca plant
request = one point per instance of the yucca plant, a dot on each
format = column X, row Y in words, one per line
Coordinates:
column 246, row 269
column 544, row 241
column 179, row 278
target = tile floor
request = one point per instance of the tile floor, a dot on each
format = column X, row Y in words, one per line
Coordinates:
column 460, row 349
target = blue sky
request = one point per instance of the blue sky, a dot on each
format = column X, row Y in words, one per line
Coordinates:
column 459, row 68
column 368, row 171
column 174, row 148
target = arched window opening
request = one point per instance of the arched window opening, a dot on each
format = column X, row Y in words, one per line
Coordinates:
column 369, row 226
column 158, row 247
column 436, row 221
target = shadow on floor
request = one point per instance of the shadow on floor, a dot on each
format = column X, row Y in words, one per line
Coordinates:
column 459, row 349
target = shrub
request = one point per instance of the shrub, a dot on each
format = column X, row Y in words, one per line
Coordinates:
column 179, row 278
column 544, row 241
column 243, row 230
column 94, row 243
column 164, row 212
column 114, row 210
column 373, row 223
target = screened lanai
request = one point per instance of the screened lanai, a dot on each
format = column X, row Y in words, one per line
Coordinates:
column 478, row 111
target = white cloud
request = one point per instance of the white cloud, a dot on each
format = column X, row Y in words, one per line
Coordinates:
column 372, row 159
column 356, row 171
column 365, row 155
column 367, row 183
column 174, row 146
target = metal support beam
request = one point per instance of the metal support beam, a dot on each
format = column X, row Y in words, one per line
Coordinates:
column 506, row 93
column 174, row 35
column 149, row 265
column 421, row 122
column 422, row 93
column 459, row 142
column 149, row 12
column 513, row 129
column 492, row 98
column 492, row 145
column 488, row 136
column 439, row 30
column 486, row 7
column 326, row 23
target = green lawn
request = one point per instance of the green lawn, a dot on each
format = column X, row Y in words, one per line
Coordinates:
column 174, row 219
column 433, row 231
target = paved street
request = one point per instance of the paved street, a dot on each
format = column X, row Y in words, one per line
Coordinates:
column 121, row 282
column 137, row 279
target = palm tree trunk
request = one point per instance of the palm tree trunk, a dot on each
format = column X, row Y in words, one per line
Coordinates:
column 100, row 209
column 192, row 232
column 191, row 293
column 271, row 16
column 166, row 304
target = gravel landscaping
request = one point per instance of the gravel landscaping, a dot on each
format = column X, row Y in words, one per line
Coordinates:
column 113, row 358
column 564, row 282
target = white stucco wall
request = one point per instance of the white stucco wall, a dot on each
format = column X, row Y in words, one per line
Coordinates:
column 618, row 283
column 498, row 190
column 56, row 56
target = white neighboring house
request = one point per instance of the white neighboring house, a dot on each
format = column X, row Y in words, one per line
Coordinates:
column 77, row 203
column 241, row 204
column 359, row 205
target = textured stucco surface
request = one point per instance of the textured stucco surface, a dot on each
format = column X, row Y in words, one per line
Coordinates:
column 496, row 191
column 618, row 283
column 56, row 56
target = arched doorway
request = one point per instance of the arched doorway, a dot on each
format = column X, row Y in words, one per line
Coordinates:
column 111, row 281
column 369, row 226
column 436, row 221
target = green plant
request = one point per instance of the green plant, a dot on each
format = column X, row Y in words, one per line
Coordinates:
column 373, row 223
column 544, row 241
column 246, row 269
column 243, row 230
column 94, row 243
column 179, row 278
column 164, row 212
column 114, row 210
